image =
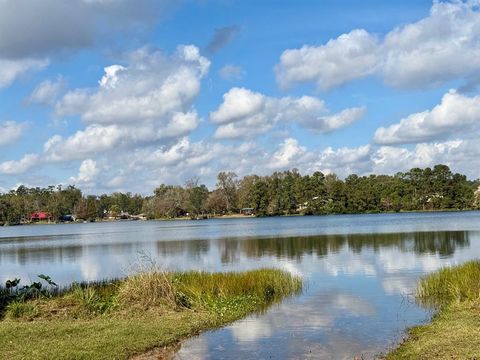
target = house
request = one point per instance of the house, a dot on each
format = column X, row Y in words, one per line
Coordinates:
column 39, row 216
column 247, row 211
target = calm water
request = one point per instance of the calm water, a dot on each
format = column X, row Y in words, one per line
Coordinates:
column 359, row 272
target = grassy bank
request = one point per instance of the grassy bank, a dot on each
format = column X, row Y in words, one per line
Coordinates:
column 118, row 319
column 454, row 332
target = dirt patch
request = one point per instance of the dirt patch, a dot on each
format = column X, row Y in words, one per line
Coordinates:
column 160, row 353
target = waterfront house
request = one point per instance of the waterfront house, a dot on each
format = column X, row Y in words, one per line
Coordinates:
column 39, row 216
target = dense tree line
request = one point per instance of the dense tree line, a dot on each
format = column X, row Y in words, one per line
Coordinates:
column 281, row 193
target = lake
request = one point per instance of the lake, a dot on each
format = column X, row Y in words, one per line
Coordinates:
column 359, row 271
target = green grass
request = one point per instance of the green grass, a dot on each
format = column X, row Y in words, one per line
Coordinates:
column 114, row 320
column 451, row 284
column 454, row 332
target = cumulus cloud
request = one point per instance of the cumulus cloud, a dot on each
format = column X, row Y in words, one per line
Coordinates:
column 333, row 122
column 390, row 159
column 222, row 37
column 285, row 156
column 348, row 57
column 10, row 131
column 87, row 172
column 455, row 114
column 343, row 161
column 47, row 92
column 13, row 167
column 436, row 49
column 439, row 48
column 245, row 113
column 149, row 99
column 12, row 69
column 145, row 103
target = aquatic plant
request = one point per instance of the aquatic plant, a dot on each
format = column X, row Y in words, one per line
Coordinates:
column 450, row 284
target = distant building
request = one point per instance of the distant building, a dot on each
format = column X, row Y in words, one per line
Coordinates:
column 247, row 211
column 39, row 216
column 68, row 218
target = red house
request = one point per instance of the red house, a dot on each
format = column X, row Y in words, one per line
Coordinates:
column 39, row 216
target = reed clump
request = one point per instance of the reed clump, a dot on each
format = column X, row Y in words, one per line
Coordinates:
column 147, row 289
column 450, row 284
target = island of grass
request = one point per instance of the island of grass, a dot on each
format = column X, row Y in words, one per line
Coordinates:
column 454, row 332
column 123, row 318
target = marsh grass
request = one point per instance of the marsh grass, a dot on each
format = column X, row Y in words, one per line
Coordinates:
column 454, row 332
column 233, row 290
column 450, row 284
column 147, row 289
column 119, row 318
column 162, row 291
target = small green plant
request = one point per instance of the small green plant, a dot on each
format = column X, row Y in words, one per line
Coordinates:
column 20, row 309
column 13, row 293
column 48, row 279
column 9, row 284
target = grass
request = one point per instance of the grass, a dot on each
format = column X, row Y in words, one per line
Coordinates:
column 117, row 319
column 451, row 284
column 454, row 332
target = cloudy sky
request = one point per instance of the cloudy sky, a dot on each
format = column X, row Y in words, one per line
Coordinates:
column 127, row 94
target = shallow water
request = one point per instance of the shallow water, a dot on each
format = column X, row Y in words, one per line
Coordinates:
column 359, row 272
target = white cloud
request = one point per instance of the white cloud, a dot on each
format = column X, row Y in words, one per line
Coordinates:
column 47, row 92
column 344, row 161
column 439, row 48
column 10, row 70
column 284, row 157
column 336, row 121
column 389, row 159
column 10, row 131
column 245, row 113
column 348, row 57
column 455, row 114
column 87, row 172
column 238, row 103
column 13, row 167
column 149, row 100
column 110, row 79
column 436, row 49
column 151, row 87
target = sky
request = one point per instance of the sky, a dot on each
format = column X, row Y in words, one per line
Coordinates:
column 124, row 95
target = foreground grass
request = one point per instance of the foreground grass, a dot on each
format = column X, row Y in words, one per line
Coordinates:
column 454, row 332
column 152, row 309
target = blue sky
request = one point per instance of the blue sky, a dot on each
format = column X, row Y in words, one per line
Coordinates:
column 122, row 95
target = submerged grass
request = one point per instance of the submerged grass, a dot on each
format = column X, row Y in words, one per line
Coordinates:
column 454, row 332
column 113, row 320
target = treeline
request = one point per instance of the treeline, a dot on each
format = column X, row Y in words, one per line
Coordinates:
column 281, row 193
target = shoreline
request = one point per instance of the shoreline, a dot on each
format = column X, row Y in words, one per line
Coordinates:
column 240, row 216
column 453, row 332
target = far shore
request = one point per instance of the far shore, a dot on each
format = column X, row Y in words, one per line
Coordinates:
column 237, row 216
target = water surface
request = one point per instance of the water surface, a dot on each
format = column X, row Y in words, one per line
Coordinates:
column 359, row 272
